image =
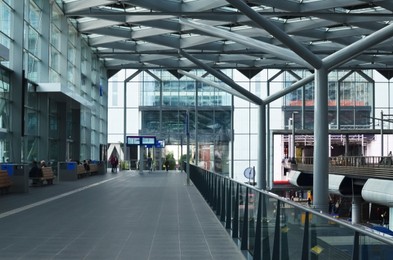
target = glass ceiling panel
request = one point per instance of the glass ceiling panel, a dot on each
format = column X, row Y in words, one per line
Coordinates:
column 306, row 20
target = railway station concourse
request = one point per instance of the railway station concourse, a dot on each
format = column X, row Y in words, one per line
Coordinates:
column 240, row 87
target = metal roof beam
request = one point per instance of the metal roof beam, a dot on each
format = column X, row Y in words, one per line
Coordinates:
column 215, row 85
column 224, row 78
column 341, row 56
column 85, row 4
column 247, row 41
column 264, row 23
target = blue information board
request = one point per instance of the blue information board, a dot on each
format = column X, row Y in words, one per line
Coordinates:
column 149, row 141
column 160, row 143
column 133, row 140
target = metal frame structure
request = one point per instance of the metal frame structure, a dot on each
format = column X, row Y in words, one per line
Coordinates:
column 255, row 34
column 231, row 34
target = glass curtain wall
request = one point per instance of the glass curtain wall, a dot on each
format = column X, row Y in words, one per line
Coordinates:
column 54, row 146
column 55, row 45
column 33, row 39
column 5, row 27
column 5, row 148
column 31, row 124
column 32, row 45
column 209, row 120
column 164, row 99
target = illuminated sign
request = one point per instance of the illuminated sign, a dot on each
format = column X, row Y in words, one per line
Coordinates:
column 141, row 140
column 148, row 140
column 133, row 140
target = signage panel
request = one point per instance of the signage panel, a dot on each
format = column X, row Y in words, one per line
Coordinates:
column 148, row 140
column 133, row 140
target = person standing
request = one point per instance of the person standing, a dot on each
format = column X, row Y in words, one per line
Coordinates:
column 167, row 165
column 35, row 173
column 114, row 162
column 149, row 163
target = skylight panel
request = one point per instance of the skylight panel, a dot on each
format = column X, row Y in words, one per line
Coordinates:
column 86, row 19
column 241, row 27
column 341, row 28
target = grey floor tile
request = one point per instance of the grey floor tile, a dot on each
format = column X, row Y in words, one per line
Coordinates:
column 150, row 216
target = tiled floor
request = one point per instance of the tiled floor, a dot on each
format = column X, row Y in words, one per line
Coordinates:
column 127, row 215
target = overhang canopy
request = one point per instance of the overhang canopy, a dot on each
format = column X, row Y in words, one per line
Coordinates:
column 61, row 92
column 300, row 179
column 378, row 191
column 4, row 53
column 338, row 184
column 147, row 34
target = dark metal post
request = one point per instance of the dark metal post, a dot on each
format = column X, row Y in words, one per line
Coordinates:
column 235, row 231
column 229, row 206
column 265, row 230
column 222, row 212
column 306, row 238
column 257, row 242
column 355, row 252
column 276, row 242
column 244, row 242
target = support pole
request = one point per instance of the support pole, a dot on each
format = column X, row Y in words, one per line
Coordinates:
column 293, row 159
column 355, row 214
column 321, row 130
column 141, row 158
column 188, row 146
column 382, row 148
column 261, row 171
column 125, row 114
column 125, row 122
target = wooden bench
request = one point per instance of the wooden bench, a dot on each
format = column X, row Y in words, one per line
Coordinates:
column 93, row 168
column 81, row 171
column 47, row 176
column 5, row 182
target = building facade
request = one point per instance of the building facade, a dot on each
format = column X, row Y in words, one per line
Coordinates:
column 53, row 87
column 223, row 125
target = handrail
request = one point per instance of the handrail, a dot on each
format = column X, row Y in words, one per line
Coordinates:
column 362, row 167
column 230, row 200
column 353, row 161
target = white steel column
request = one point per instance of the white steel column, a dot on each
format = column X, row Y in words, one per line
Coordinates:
column 321, row 136
column 125, row 115
column 356, row 205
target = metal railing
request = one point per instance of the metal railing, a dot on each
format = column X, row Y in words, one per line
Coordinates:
column 271, row 227
column 355, row 166
column 354, row 161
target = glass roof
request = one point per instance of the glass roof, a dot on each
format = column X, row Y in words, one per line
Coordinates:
column 294, row 33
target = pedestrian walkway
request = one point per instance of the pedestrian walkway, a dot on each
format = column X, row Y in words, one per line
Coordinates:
column 127, row 215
